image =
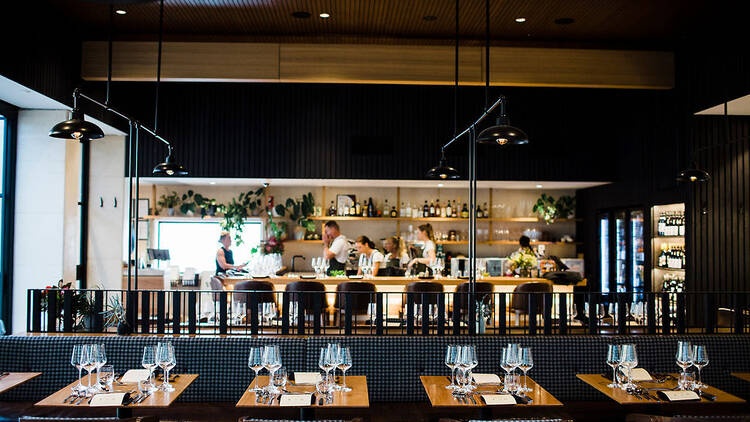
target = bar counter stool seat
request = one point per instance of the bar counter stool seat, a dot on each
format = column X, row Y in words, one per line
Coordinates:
column 361, row 297
column 519, row 302
column 262, row 290
column 311, row 289
column 483, row 291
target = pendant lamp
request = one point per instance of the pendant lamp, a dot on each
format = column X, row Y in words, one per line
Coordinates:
column 169, row 167
column 443, row 171
column 76, row 128
column 693, row 175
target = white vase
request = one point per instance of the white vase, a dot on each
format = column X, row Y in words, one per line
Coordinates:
column 170, row 212
column 299, row 233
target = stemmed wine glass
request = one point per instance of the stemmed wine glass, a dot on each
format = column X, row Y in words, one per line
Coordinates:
column 272, row 362
column 100, row 359
column 525, row 363
column 76, row 360
column 316, row 265
column 332, row 357
column 344, row 363
column 700, row 360
column 451, row 355
column 468, row 359
column 255, row 362
column 166, row 360
column 326, row 265
column 629, row 360
column 513, row 357
column 88, row 361
column 325, row 364
column 613, row 360
column 684, row 355
column 148, row 361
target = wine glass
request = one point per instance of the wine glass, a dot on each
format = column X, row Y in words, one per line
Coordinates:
column 100, row 359
column 324, row 363
column 470, row 362
column 332, row 356
column 463, row 363
column 148, row 361
column 344, row 363
column 88, row 361
column 513, row 355
column 684, row 355
column 700, row 360
column 326, row 265
column 165, row 358
column 106, row 375
column 255, row 362
column 279, row 379
column 629, row 360
column 271, row 361
column 525, row 363
column 77, row 362
column 613, row 360
column 451, row 354
column 505, row 364
column 363, row 264
column 316, row 266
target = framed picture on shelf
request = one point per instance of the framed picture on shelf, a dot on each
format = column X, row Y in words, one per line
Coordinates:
column 143, row 206
column 142, row 229
column 345, row 200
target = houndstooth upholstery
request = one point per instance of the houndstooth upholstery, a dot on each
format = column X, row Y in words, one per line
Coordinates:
column 392, row 364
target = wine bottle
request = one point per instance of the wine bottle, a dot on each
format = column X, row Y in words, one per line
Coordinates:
column 425, row 210
column 480, row 213
column 394, row 213
column 332, row 209
column 486, row 211
column 465, row 211
column 432, row 209
column 454, row 209
column 448, row 210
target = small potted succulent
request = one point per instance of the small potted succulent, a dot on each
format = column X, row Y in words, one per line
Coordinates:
column 169, row 202
column 114, row 315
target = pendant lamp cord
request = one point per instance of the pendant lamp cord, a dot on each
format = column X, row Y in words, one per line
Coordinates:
column 158, row 65
column 455, row 86
column 486, row 54
column 109, row 52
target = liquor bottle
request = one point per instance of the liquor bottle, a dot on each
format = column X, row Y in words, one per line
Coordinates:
column 408, row 209
column 449, row 210
column 437, row 208
column 682, row 226
column 386, row 209
column 368, row 210
column 443, row 212
column 480, row 213
column 332, row 209
column 432, row 209
column 660, row 225
column 352, row 209
column 394, row 213
column 402, row 210
column 425, row 210
column 454, row 210
column 357, row 209
column 486, row 211
column 465, row 211
column 661, row 261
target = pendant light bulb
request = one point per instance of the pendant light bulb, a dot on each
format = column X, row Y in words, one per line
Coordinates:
column 443, row 171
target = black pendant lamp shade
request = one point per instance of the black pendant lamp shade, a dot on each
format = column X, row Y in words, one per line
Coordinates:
column 501, row 133
column 443, row 171
column 169, row 167
column 693, row 175
column 76, row 128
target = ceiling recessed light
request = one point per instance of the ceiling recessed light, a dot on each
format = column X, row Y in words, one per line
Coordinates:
column 211, row 183
column 430, row 18
column 301, row 14
column 324, row 15
column 440, row 185
column 521, row 20
column 564, row 21
column 121, row 12
column 538, row 186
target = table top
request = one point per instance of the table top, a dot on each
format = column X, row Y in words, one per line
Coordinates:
column 599, row 382
column 742, row 375
column 357, row 398
column 159, row 399
column 443, row 397
column 14, row 379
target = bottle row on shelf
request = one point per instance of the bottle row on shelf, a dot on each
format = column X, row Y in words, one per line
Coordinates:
column 449, row 209
column 671, row 224
column 671, row 257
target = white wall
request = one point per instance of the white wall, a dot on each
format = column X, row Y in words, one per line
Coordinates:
column 39, row 207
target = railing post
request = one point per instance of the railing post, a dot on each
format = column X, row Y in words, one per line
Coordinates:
column 651, row 312
column 739, row 308
column 593, row 314
column 177, row 311
column 161, row 306
column 532, row 300
column 132, row 308
column 457, row 313
column 145, row 311
column 285, row 312
column 317, row 312
column 98, row 309
column 410, row 314
column 681, row 313
column 665, row 329
column 547, row 313
column 348, row 313
column 441, row 314
column 252, row 313
column 301, row 301
column 52, row 310
column 379, row 313
column 709, row 312
column 562, row 312
column 223, row 300
column 502, row 313
column 36, row 310
column 68, row 311
column 192, row 311
column 426, row 313
column 622, row 322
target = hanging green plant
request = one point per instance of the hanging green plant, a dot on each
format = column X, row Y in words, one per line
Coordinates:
column 188, row 205
column 299, row 211
column 238, row 209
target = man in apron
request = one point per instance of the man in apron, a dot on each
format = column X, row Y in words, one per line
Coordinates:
column 336, row 247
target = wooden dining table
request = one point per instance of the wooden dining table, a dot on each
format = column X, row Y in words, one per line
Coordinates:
column 157, row 400
column 10, row 380
column 742, row 375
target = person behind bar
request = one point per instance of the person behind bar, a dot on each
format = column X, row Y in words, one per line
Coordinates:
column 335, row 247
column 525, row 245
column 397, row 256
column 367, row 247
column 428, row 249
column 224, row 258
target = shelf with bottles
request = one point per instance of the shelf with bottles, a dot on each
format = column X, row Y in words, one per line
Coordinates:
column 504, row 242
column 444, row 219
column 670, row 269
column 671, row 256
column 670, row 224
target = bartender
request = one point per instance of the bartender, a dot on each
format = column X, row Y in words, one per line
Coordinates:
column 224, row 258
column 366, row 247
column 426, row 236
column 525, row 246
column 335, row 247
column 397, row 256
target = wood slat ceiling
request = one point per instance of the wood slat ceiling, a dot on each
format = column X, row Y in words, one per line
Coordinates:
column 618, row 23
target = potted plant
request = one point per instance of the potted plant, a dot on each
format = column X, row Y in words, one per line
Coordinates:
column 114, row 315
column 521, row 262
column 546, row 208
column 299, row 211
column 207, row 206
column 188, row 203
column 169, row 202
column 81, row 306
column 237, row 210
column 566, row 206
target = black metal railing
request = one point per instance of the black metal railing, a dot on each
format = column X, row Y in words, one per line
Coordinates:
column 385, row 313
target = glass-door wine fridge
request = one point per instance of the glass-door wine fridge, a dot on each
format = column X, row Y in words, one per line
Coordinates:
column 622, row 264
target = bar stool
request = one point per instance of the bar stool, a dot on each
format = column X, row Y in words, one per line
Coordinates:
column 361, row 294
column 483, row 292
column 519, row 302
column 416, row 289
column 311, row 289
column 263, row 291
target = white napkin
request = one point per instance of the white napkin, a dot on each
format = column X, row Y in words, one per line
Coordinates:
column 307, row 378
column 107, row 400
column 640, row 374
column 295, row 400
column 134, row 375
column 680, row 395
column 498, row 399
column 486, row 378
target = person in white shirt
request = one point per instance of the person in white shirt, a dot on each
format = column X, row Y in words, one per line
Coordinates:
column 397, row 256
column 366, row 247
column 425, row 235
column 335, row 247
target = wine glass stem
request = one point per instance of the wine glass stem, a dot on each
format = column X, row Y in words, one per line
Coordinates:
column 89, row 380
column 80, row 384
column 453, row 376
column 344, row 372
column 524, row 380
column 166, row 377
column 699, row 377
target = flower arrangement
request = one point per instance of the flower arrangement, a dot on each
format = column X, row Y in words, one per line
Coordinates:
column 81, row 307
column 522, row 260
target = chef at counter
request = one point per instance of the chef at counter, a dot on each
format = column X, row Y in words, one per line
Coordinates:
column 335, row 247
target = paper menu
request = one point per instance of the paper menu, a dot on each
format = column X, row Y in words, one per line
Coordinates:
column 640, row 374
column 107, row 400
column 134, row 375
column 498, row 399
column 486, row 378
column 680, row 395
column 307, row 378
column 295, row 400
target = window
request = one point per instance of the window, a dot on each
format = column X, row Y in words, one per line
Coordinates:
column 194, row 243
column 8, row 115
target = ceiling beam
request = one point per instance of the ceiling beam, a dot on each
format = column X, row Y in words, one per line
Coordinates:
column 379, row 64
